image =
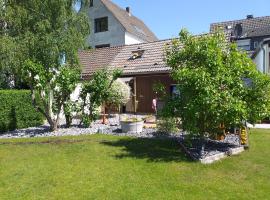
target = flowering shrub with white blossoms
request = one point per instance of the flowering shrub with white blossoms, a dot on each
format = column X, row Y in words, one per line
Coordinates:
column 53, row 88
column 120, row 93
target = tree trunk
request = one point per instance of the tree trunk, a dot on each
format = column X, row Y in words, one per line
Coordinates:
column 68, row 120
column 53, row 125
column 47, row 112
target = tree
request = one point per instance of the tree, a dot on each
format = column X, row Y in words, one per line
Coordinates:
column 97, row 92
column 9, row 54
column 66, row 83
column 217, row 84
column 47, row 35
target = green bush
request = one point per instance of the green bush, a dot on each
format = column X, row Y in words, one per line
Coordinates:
column 168, row 125
column 17, row 111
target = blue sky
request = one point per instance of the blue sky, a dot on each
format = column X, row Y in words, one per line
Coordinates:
column 166, row 17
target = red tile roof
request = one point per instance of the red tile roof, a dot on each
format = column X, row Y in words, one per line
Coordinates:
column 152, row 60
column 93, row 60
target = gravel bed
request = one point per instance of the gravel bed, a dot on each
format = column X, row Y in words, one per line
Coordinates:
column 96, row 127
column 43, row 131
column 210, row 147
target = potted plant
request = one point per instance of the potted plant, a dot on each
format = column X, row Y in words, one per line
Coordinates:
column 132, row 125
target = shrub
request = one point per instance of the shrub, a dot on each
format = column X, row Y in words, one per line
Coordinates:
column 217, row 84
column 168, row 125
column 16, row 110
column 131, row 119
column 97, row 91
column 119, row 93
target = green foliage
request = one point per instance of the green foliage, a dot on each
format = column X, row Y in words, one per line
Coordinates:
column 159, row 89
column 258, row 98
column 131, row 119
column 210, row 74
column 41, row 31
column 39, row 37
column 17, row 111
column 65, row 84
column 97, row 91
column 168, row 125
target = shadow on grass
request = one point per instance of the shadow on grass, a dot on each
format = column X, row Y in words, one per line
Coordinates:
column 154, row 149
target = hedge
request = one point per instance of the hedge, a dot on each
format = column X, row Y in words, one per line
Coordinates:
column 17, row 111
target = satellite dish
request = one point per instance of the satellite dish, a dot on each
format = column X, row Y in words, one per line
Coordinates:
column 238, row 30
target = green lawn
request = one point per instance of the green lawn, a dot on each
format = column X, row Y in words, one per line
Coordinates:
column 107, row 167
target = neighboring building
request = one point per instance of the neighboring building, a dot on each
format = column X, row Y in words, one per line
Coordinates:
column 262, row 56
column 250, row 34
column 143, row 65
column 247, row 33
column 113, row 26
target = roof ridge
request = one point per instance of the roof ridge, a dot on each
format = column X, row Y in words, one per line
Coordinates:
column 99, row 49
column 230, row 21
column 137, row 44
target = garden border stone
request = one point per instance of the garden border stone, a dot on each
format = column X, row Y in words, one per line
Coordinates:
column 212, row 158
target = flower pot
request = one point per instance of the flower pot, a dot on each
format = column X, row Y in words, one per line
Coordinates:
column 131, row 127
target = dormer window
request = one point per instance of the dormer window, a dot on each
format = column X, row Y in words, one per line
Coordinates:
column 137, row 54
column 91, row 3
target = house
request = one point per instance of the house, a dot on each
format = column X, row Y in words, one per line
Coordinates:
column 143, row 66
column 262, row 56
column 252, row 35
column 113, row 26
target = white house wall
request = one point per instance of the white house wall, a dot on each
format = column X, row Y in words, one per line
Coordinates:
column 267, row 58
column 130, row 39
column 76, row 93
column 115, row 35
column 259, row 61
column 262, row 61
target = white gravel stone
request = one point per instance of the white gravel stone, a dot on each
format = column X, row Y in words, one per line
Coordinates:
column 43, row 131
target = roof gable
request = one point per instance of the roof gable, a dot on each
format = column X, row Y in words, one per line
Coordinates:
column 132, row 24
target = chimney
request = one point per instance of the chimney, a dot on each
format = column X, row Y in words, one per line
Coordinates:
column 250, row 17
column 128, row 11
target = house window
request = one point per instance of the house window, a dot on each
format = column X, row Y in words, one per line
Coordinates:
column 101, row 24
column 102, row 46
column 136, row 54
column 243, row 44
column 256, row 44
column 91, row 3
